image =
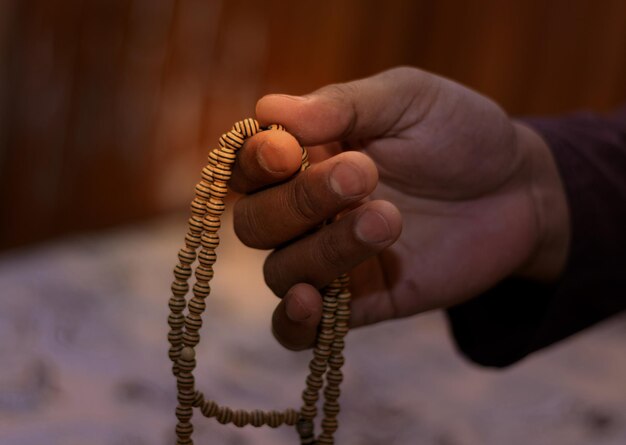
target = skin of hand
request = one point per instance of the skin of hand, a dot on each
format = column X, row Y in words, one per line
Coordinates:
column 440, row 195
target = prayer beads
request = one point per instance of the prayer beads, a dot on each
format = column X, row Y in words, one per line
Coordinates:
column 201, row 242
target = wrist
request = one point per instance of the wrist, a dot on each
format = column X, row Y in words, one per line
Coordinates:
column 546, row 193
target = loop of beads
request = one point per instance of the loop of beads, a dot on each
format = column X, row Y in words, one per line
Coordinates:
column 201, row 241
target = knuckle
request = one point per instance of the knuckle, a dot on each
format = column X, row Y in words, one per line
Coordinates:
column 329, row 252
column 246, row 225
column 405, row 71
column 273, row 276
column 342, row 90
column 303, row 203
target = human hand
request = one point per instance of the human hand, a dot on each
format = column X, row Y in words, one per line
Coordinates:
column 478, row 195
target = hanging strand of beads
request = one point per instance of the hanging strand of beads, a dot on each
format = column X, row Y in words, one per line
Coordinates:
column 201, row 242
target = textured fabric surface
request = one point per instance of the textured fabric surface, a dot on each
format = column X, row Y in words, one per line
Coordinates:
column 83, row 360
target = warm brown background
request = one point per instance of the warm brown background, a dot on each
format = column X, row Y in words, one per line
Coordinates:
column 108, row 106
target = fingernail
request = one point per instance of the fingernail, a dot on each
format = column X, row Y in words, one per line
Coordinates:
column 372, row 227
column 296, row 311
column 269, row 159
column 345, row 180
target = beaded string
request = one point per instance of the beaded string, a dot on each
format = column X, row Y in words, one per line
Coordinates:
column 325, row 366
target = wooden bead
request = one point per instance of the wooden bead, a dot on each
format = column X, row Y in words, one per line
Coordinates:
column 185, row 397
column 203, row 189
column 184, row 429
column 240, row 418
column 327, row 323
column 341, row 328
column 201, row 289
column 310, row 440
column 184, row 413
column 344, row 282
column 308, row 411
column 209, row 408
column 174, row 352
column 330, row 305
column 207, row 174
column 228, row 166
column 211, row 223
column 275, row 419
column 207, row 258
column 192, row 239
column 326, row 337
column 342, row 315
column 210, row 240
column 333, row 289
column 184, row 441
column 195, row 224
column 291, row 416
column 325, row 439
column 177, row 304
column 215, row 207
column 186, row 365
column 310, row 396
column 247, row 127
column 221, row 172
column 331, row 408
column 180, row 288
column 198, row 206
column 185, row 380
column 329, row 300
column 321, row 351
column 337, row 346
column 193, row 322
column 218, row 189
column 336, row 361
column 332, row 392
column 233, row 140
column 182, row 272
column 314, row 381
column 304, row 427
column 197, row 305
column 187, row 354
column 334, row 377
column 257, row 418
column 191, row 338
column 186, row 256
column 226, row 156
column 198, row 398
column 204, row 273
column 224, row 415
column 175, row 336
column 276, row 127
column 329, row 425
column 317, row 366
column 176, row 321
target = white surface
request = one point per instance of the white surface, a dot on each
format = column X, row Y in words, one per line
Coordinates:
column 83, row 360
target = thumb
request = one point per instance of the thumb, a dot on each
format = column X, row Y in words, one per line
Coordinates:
column 374, row 107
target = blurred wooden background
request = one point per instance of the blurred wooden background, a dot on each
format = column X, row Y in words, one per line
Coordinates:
column 108, row 107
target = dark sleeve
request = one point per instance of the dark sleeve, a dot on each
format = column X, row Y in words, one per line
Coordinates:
column 518, row 317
